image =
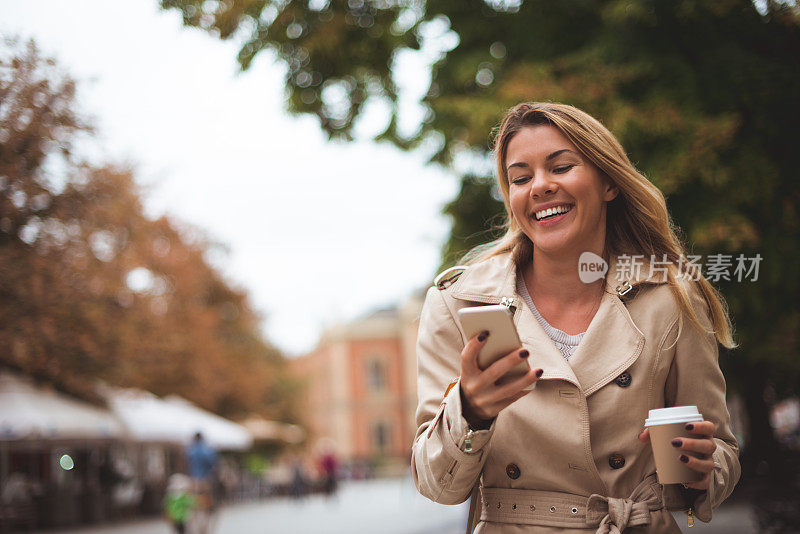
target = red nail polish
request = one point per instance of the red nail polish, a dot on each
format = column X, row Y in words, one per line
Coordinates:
column 676, row 443
column 524, row 353
column 539, row 373
column 483, row 336
column 684, row 459
column 689, row 426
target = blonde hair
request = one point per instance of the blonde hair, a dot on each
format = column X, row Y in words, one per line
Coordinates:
column 637, row 220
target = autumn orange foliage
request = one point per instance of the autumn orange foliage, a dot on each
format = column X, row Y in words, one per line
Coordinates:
column 92, row 289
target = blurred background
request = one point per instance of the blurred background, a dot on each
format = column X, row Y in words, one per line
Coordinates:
column 220, row 217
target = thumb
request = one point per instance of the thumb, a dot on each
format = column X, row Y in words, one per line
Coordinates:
column 644, row 436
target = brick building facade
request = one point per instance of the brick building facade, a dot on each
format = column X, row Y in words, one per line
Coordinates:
column 361, row 386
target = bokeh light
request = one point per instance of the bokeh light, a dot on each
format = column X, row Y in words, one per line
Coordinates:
column 66, row 462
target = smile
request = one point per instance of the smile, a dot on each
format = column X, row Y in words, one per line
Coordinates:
column 552, row 213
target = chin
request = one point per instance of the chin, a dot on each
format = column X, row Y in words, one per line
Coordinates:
column 553, row 246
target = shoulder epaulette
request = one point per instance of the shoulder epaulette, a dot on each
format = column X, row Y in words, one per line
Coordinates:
column 447, row 277
column 627, row 292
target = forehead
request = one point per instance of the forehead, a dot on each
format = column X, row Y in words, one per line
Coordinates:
column 536, row 142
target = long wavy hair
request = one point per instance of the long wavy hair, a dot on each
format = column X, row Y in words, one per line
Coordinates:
column 637, row 220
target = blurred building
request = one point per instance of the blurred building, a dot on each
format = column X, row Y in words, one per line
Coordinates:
column 361, row 387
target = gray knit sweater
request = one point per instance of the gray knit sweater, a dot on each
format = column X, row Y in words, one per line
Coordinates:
column 565, row 343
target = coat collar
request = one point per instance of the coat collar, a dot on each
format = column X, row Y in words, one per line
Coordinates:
column 611, row 343
column 495, row 278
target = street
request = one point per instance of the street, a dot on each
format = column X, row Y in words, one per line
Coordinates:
column 388, row 506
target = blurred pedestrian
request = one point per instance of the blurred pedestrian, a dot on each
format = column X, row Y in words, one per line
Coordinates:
column 298, row 479
column 202, row 460
column 179, row 502
column 328, row 465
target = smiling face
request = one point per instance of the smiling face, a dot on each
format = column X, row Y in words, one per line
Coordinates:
column 557, row 196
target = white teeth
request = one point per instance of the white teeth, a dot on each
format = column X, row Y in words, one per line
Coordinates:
column 550, row 211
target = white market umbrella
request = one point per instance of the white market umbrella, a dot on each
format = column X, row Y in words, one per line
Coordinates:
column 174, row 419
column 30, row 411
column 265, row 430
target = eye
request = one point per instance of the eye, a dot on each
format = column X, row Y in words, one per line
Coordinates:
column 562, row 169
column 520, row 180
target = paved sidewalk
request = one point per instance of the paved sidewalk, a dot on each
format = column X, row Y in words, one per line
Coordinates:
column 728, row 519
column 390, row 506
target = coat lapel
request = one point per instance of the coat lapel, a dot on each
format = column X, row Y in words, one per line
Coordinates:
column 612, row 342
column 544, row 353
column 610, row 345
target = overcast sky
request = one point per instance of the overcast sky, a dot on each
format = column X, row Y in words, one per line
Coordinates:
column 318, row 232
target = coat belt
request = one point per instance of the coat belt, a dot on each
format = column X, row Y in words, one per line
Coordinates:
column 610, row 515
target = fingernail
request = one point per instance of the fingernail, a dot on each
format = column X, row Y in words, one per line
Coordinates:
column 524, row 353
column 483, row 336
column 689, row 426
column 539, row 373
column 676, row 443
column 684, row 459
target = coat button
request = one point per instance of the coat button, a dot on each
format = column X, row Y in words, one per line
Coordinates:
column 624, row 380
column 616, row 461
column 512, row 471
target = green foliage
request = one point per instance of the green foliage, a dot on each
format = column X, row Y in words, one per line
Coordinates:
column 256, row 464
column 338, row 54
column 704, row 94
column 477, row 218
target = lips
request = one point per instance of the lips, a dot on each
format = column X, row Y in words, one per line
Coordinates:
column 560, row 209
column 553, row 219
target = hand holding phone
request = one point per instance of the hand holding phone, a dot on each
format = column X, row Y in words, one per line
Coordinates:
column 503, row 337
column 492, row 379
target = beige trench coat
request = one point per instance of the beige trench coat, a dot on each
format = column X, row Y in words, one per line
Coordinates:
column 575, row 436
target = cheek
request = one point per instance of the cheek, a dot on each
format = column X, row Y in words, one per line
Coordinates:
column 518, row 202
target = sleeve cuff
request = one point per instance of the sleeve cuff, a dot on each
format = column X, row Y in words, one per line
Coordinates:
column 457, row 429
column 705, row 502
column 702, row 502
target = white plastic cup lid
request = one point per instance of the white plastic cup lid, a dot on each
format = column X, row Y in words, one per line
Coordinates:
column 676, row 414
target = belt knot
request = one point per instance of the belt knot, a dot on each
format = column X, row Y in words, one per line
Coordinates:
column 613, row 515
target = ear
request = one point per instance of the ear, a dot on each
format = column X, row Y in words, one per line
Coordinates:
column 610, row 191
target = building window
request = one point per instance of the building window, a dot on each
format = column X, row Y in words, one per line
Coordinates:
column 381, row 435
column 376, row 375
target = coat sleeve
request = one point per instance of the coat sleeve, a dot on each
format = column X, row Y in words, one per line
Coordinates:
column 446, row 457
column 695, row 379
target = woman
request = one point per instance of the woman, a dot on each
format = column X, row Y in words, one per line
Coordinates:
column 571, row 454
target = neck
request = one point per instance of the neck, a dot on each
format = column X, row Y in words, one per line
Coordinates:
column 555, row 277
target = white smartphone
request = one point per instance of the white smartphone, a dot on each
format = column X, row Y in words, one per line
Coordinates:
column 503, row 337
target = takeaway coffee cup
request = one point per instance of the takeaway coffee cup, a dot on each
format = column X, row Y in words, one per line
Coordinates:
column 666, row 424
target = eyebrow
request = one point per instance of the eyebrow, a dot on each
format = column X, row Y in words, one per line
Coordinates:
column 548, row 158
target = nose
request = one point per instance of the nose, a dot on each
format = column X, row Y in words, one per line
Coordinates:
column 542, row 185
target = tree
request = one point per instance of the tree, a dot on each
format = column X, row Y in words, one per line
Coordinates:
column 705, row 95
column 477, row 216
column 90, row 288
